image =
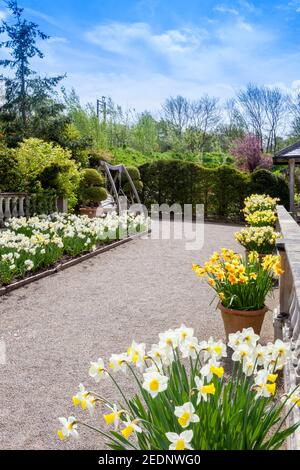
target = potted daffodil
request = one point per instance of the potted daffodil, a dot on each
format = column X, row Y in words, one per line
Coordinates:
column 242, row 285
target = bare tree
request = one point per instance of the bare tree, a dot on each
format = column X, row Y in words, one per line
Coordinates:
column 205, row 116
column 176, row 112
column 275, row 103
column 262, row 110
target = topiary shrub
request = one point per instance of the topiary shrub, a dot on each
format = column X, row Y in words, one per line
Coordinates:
column 10, row 176
column 136, row 178
column 266, row 182
column 91, row 191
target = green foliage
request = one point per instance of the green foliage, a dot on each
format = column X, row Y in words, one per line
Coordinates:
column 265, row 182
column 25, row 91
column 222, row 190
column 91, row 191
column 10, row 176
column 39, row 160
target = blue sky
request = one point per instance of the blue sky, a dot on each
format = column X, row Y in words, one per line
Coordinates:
column 139, row 52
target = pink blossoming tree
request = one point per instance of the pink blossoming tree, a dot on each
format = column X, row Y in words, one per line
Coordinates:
column 248, row 154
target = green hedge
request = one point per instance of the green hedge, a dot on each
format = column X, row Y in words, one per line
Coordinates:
column 222, row 190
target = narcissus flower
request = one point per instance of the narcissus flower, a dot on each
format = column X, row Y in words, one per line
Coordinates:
column 190, row 348
column 136, row 354
column 186, row 414
column 97, row 370
column 293, row 397
column 169, row 339
column 85, row 400
column 204, row 390
column 130, row 427
column 69, row 428
column 184, row 333
column 118, row 362
column 154, row 383
column 241, row 353
column 212, row 368
column 249, row 337
column 180, row 441
column 113, row 417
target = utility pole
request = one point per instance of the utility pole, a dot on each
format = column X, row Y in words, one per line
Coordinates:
column 102, row 109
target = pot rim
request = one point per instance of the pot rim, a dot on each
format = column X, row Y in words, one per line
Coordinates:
column 233, row 311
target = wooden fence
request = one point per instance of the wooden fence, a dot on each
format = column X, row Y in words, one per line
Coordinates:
column 287, row 318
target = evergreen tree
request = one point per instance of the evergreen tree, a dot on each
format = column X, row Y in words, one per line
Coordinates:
column 25, row 92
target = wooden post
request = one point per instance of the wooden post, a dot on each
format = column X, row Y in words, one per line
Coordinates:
column 292, row 184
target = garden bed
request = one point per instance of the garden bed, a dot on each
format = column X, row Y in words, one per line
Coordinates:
column 31, row 249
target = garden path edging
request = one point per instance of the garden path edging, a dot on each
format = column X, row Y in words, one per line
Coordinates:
column 68, row 264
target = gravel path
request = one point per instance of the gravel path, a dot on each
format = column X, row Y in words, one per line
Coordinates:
column 53, row 328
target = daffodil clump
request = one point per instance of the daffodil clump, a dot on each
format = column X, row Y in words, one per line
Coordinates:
column 259, row 202
column 242, row 283
column 183, row 400
column 261, row 218
column 27, row 245
column 260, row 239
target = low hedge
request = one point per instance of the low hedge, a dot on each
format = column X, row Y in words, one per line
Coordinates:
column 222, row 190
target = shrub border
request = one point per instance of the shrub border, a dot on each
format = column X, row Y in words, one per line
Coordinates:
column 68, row 264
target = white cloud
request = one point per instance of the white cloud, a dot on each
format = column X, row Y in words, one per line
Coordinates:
column 140, row 66
column 226, row 9
column 3, row 15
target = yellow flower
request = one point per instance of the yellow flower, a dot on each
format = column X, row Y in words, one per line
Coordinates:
column 208, row 389
column 232, row 279
column 218, row 371
column 243, row 279
column 271, row 388
column 221, row 296
column 211, row 282
column 272, row 377
column 253, row 276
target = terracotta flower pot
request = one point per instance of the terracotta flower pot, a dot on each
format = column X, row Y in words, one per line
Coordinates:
column 236, row 320
column 91, row 212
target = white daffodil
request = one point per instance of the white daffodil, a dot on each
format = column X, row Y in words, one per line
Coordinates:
column 154, row 383
column 249, row 366
column 190, row 348
column 97, row 370
column 158, row 354
column 241, row 353
column 136, row 354
column 218, row 349
column 204, row 390
column 118, row 362
column 212, row 368
column 85, row 400
column 69, row 428
column 186, row 414
column 262, row 386
column 261, row 354
column 130, row 427
column 249, row 337
column 169, row 339
column 211, row 348
column 281, row 352
column 293, row 397
column 180, row 441
column 184, row 333
column 113, row 417
column 234, row 340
